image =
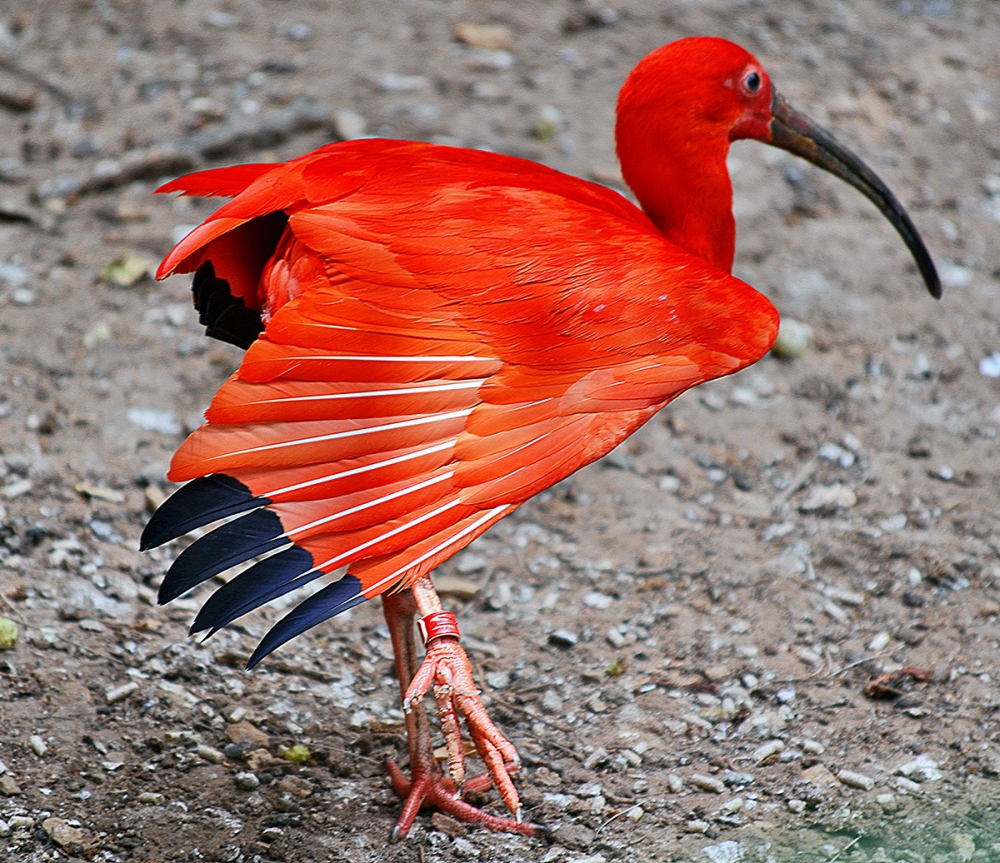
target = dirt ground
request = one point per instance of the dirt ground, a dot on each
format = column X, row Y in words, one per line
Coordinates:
column 765, row 627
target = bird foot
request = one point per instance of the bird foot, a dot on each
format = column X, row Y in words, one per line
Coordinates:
column 429, row 788
column 446, row 672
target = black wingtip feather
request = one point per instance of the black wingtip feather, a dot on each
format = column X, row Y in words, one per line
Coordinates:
column 322, row 605
column 196, row 504
column 268, row 579
column 230, row 544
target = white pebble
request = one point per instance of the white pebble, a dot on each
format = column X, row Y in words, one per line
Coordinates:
column 766, row 750
column 856, row 780
column 118, row 693
column 38, row 745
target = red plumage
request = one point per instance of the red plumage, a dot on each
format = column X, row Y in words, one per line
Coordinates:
column 447, row 332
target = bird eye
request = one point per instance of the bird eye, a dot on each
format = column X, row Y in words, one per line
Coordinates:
column 752, row 82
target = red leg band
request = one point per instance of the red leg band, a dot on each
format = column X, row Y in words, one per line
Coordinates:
column 438, row 624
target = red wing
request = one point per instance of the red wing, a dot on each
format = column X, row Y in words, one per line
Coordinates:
column 439, row 346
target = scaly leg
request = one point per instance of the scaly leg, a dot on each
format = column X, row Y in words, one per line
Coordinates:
column 446, row 668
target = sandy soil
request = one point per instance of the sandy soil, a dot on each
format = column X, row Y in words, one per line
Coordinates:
column 682, row 639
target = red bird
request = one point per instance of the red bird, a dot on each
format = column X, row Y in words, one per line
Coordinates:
column 433, row 335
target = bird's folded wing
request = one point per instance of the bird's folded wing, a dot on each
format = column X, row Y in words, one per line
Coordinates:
column 429, row 362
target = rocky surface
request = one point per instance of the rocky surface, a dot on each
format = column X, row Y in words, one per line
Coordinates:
column 766, row 626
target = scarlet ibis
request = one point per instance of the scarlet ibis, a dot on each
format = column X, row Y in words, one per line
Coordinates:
column 435, row 334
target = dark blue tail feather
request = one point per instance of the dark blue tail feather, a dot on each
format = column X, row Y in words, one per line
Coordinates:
column 230, row 544
column 322, row 605
column 196, row 504
column 266, row 580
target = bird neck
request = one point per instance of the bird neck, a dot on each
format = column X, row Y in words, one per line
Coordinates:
column 683, row 185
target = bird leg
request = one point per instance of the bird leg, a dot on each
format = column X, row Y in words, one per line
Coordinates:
column 446, row 669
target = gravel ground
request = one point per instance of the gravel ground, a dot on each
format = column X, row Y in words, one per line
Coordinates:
column 765, row 627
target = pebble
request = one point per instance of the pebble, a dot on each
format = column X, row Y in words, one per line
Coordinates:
column 297, row 786
column 448, row 825
column 245, row 732
column 813, row 747
column 4, row 829
column 64, row 835
column 766, row 750
column 879, row 642
column 38, row 746
column 828, row 497
column 921, row 769
column 675, row 783
column 708, row 783
column 9, row 633
column 564, row 638
column 598, row 756
column 210, row 754
column 259, row 759
column 856, row 780
column 348, row 124
column 119, row 693
column 732, row 777
column 150, row 797
column 489, row 37
column 793, row 339
column 697, row 825
column 797, row 806
column 8, row 787
column 247, row 781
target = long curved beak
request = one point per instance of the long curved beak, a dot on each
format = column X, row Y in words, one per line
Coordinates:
column 797, row 134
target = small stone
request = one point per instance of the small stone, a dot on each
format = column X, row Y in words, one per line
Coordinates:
column 119, row 693
column 244, row 732
column 828, row 498
column 210, row 754
column 856, row 780
column 920, row 769
column 456, row 586
column 564, row 638
column 879, row 642
column 598, row 756
column 797, row 806
column 697, row 825
column 9, row 633
column 258, row 759
column 64, row 835
column 733, row 777
column 38, row 746
column 813, row 747
column 297, row 754
column 793, row 339
column 448, row 825
column 348, row 124
column 297, row 786
column 489, row 37
column 888, row 801
column 8, row 787
column 708, row 783
column 766, row 750
column 675, row 783
column 247, row 781
column 150, row 797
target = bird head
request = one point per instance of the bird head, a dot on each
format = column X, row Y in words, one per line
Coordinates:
column 679, row 110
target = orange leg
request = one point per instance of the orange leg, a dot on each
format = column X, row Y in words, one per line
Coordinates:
column 445, row 668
